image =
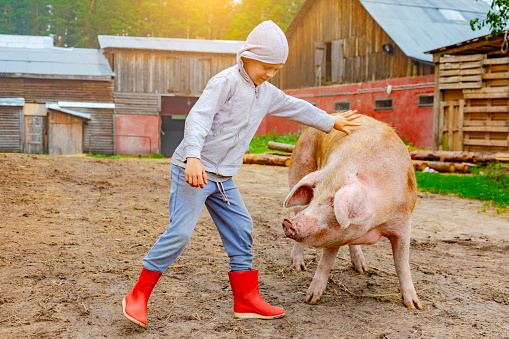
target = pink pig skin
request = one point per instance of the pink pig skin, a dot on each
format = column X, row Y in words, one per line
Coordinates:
column 351, row 190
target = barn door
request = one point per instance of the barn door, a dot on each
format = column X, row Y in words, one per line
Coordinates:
column 320, row 63
column 337, row 61
column 35, row 116
column 34, row 137
column 451, row 125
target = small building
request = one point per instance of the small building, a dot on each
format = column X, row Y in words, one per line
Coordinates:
column 157, row 81
column 370, row 55
column 471, row 111
column 49, row 94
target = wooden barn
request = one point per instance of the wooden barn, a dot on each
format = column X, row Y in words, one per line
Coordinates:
column 472, row 95
column 370, row 55
column 157, row 81
column 54, row 99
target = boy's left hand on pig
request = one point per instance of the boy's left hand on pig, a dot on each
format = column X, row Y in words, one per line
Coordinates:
column 345, row 119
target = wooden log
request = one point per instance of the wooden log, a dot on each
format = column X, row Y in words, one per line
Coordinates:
column 462, row 167
column 279, row 146
column 266, row 159
column 476, row 157
column 419, row 165
column 436, row 165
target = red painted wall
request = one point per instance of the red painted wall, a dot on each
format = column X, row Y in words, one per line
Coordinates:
column 137, row 125
column 410, row 121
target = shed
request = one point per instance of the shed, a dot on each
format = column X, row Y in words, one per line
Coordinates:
column 370, row 55
column 150, row 74
column 65, row 134
column 471, row 110
column 82, row 78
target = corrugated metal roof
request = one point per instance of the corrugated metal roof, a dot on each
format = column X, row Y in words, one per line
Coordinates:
column 171, row 44
column 55, row 62
column 25, row 41
column 86, row 104
column 417, row 26
column 55, row 107
column 12, row 102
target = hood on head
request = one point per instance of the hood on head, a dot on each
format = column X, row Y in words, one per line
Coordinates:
column 266, row 43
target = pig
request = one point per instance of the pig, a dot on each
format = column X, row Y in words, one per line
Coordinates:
column 351, row 190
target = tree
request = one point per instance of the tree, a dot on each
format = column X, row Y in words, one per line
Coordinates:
column 497, row 17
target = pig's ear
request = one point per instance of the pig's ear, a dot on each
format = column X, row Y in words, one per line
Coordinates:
column 302, row 193
column 351, row 205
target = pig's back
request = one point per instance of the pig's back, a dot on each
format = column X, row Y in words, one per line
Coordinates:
column 378, row 156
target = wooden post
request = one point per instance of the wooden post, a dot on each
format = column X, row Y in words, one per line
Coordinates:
column 436, row 104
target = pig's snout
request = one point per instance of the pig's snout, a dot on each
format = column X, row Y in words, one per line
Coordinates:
column 290, row 231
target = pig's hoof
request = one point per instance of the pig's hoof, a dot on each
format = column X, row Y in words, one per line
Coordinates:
column 412, row 302
column 312, row 299
column 299, row 266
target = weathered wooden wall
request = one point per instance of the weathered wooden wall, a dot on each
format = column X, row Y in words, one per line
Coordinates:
column 139, row 104
column 362, row 39
column 474, row 112
column 44, row 90
column 65, row 134
column 10, row 127
column 162, row 72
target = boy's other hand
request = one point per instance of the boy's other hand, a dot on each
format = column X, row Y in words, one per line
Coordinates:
column 344, row 119
column 195, row 173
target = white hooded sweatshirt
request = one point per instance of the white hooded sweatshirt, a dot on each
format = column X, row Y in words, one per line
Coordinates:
column 225, row 118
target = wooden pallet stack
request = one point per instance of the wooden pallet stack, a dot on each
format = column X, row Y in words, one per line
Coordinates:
column 477, row 117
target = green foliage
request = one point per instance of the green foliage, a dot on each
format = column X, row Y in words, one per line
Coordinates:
column 496, row 17
column 259, row 143
column 490, row 184
column 76, row 23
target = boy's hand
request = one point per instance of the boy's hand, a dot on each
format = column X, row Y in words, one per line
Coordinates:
column 344, row 119
column 195, row 173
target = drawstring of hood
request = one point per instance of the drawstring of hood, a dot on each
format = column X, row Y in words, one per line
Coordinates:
column 220, row 187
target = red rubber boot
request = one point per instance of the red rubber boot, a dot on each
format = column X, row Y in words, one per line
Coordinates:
column 134, row 304
column 247, row 302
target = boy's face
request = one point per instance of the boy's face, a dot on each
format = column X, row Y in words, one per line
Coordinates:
column 259, row 71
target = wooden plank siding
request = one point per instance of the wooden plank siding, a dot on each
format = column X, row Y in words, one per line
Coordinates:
column 45, row 90
column 163, row 72
column 480, row 109
column 327, row 21
column 10, row 127
column 139, row 104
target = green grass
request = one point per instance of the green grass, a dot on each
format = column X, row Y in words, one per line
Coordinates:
column 489, row 184
column 102, row 156
column 259, row 143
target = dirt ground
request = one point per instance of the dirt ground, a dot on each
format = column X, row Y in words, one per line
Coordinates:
column 73, row 232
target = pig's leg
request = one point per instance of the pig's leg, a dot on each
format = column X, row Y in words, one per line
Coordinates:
column 400, row 251
column 357, row 258
column 298, row 257
column 321, row 277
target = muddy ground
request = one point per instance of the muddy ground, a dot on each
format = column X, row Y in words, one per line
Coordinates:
column 73, row 232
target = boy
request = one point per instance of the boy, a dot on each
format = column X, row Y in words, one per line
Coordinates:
column 217, row 134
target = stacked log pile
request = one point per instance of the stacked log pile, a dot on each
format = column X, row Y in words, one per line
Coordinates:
column 439, row 161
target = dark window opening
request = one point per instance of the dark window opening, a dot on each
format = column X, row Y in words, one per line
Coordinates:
column 425, row 100
column 328, row 62
column 384, row 104
column 341, row 106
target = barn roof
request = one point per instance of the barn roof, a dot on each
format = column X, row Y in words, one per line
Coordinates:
column 55, row 62
column 170, row 44
column 417, row 26
column 25, row 41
